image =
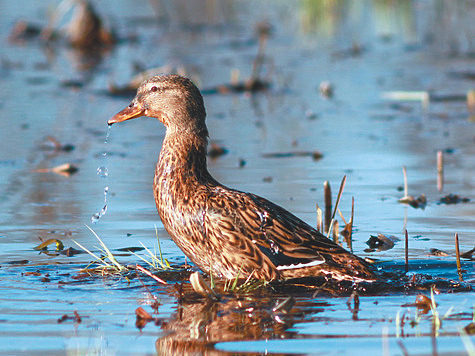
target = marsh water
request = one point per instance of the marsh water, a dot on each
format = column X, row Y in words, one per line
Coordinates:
column 54, row 105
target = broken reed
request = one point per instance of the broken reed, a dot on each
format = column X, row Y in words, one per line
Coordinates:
column 340, row 192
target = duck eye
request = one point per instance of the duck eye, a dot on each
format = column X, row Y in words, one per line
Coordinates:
column 154, row 88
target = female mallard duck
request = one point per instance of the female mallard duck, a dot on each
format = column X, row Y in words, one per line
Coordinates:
column 224, row 231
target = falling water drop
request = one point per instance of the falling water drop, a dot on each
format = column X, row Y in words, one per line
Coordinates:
column 103, row 172
column 109, row 127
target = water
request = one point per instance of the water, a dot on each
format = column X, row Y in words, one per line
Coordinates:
column 364, row 49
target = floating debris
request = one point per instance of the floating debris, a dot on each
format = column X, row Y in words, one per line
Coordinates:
column 130, row 249
column 44, row 245
column 76, row 318
column 70, row 252
column 250, row 85
column 51, row 143
column 421, row 96
column 354, row 51
column 437, row 252
column 143, row 318
column 326, row 89
column 419, row 202
column 468, row 254
column 381, row 242
column 18, row 262
column 66, row 169
column 452, row 199
column 216, row 150
column 468, row 74
column 23, row 31
column 316, row 155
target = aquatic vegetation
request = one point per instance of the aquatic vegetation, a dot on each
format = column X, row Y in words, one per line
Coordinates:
column 113, row 265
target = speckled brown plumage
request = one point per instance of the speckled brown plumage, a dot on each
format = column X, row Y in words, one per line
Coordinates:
column 226, row 232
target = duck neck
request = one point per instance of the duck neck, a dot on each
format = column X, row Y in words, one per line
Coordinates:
column 183, row 158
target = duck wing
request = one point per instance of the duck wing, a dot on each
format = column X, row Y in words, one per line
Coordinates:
column 252, row 231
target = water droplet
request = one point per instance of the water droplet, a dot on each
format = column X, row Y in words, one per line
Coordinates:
column 95, row 218
column 109, row 127
column 102, row 171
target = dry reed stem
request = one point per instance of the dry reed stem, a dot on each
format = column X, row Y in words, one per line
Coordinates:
column 440, row 170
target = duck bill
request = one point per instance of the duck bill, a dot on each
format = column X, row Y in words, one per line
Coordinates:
column 127, row 114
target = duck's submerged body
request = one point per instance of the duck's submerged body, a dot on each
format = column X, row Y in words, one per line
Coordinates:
column 226, row 232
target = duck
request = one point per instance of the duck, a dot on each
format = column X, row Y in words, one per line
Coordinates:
column 225, row 232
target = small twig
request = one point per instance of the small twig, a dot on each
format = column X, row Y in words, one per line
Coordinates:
column 406, row 252
column 440, row 170
column 148, row 273
column 457, row 253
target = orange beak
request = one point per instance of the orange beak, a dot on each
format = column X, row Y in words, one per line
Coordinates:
column 130, row 112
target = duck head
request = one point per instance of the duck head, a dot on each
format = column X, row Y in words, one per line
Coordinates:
column 172, row 99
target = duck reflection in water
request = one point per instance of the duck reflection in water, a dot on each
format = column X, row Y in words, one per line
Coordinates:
column 200, row 323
